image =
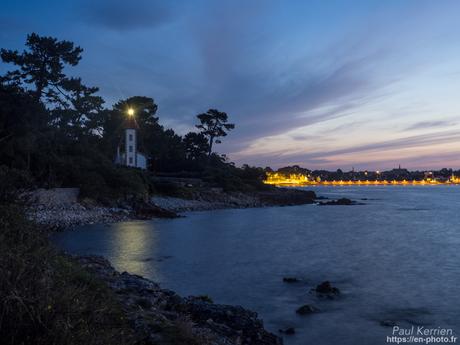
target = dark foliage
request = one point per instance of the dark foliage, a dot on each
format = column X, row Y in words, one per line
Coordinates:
column 45, row 298
column 41, row 65
column 213, row 125
column 55, row 132
column 55, row 129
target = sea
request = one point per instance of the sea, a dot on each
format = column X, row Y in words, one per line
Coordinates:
column 395, row 259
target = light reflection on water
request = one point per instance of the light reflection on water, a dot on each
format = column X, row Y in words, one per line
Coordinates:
column 131, row 241
column 131, row 246
column 395, row 258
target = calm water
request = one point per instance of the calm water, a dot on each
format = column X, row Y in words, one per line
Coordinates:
column 396, row 258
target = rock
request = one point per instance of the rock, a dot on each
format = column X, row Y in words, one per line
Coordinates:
column 154, row 311
column 341, row 201
column 61, row 209
column 326, row 289
column 233, row 322
column 286, row 197
column 148, row 211
column 388, row 323
column 307, row 309
column 288, row 331
column 202, row 298
column 215, row 198
column 290, row 280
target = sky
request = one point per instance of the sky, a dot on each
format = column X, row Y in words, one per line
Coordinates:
column 322, row 84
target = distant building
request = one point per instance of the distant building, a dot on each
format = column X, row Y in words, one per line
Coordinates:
column 127, row 153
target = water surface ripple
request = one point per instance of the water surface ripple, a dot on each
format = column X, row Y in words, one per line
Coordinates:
column 395, row 258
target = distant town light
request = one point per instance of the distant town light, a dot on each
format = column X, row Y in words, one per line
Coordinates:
column 280, row 179
column 131, row 112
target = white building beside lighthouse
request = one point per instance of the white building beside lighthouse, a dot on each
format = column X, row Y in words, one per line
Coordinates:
column 127, row 153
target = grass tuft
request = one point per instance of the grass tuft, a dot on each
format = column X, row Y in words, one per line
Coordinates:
column 46, row 298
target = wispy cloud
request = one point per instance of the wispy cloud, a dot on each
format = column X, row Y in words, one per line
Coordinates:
column 274, row 67
column 416, row 141
column 429, row 125
column 123, row 15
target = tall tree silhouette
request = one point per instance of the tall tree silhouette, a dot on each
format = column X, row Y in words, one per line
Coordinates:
column 42, row 65
column 214, row 124
column 80, row 112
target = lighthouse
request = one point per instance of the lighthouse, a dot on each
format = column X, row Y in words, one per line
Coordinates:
column 131, row 128
column 130, row 155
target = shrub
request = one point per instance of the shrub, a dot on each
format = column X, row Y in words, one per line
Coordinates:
column 46, row 298
column 12, row 183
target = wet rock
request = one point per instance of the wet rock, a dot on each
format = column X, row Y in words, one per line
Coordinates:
column 388, row 323
column 147, row 259
column 307, row 309
column 326, row 289
column 202, row 298
column 288, row 331
column 291, row 280
column 286, row 197
column 148, row 211
column 215, row 198
column 151, row 309
column 341, row 201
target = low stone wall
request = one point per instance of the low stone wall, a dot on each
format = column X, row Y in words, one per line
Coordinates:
column 54, row 197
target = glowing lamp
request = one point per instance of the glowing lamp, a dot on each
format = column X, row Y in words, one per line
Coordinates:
column 131, row 112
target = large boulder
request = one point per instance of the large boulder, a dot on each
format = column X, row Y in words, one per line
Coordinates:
column 325, row 289
column 286, row 197
column 232, row 322
column 146, row 210
column 288, row 331
column 307, row 309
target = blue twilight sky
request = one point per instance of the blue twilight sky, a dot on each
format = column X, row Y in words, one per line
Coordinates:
column 323, row 84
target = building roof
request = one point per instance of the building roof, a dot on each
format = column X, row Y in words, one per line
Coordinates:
column 130, row 123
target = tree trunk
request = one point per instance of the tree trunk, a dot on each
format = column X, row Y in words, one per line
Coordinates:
column 211, row 141
column 38, row 92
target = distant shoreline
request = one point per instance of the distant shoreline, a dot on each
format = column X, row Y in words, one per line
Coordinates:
column 365, row 184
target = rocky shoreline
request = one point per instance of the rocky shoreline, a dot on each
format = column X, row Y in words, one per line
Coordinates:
column 68, row 216
column 61, row 209
column 160, row 316
column 157, row 315
column 214, row 200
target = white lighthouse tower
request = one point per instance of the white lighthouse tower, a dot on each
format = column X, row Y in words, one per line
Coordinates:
column 130, row 156
column 131, row 140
